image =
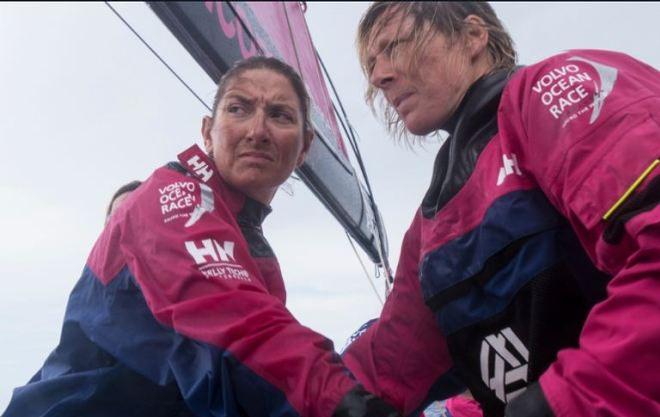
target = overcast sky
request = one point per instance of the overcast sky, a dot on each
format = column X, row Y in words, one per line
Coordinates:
column 85, row 108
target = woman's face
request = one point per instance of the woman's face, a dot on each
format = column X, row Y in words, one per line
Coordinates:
column 427, row 93
column 257, row 136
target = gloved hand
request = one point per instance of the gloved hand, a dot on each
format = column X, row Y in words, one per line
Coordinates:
column 359, row 402
column 531, row 403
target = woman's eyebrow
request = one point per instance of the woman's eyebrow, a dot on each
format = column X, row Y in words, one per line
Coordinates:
column 240, row 97
column 282, row 106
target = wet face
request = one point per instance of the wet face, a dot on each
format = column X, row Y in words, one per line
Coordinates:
column 425, row 94
column 256, row 136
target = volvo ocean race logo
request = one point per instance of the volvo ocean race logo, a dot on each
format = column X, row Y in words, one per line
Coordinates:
column 180, row 199
column 607, row 77
column 565, row 90
column 503, row 362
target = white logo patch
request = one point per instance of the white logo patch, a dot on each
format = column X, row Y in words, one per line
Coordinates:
column 200, row 168
column 564, row 88
column 215, row 260
column 177, row 199
column 507, row 368
column 607, row 77
column 509, row 166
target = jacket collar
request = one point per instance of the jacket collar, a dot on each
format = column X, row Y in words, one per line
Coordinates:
column 198, row 164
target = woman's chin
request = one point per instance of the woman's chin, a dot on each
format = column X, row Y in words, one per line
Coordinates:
column 419, row 129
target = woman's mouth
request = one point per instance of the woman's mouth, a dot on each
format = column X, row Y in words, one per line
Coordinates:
column 256, row 156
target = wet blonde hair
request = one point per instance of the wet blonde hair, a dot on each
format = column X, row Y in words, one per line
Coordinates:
column 429, row 19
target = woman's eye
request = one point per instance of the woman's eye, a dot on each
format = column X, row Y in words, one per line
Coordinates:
column 235, row 109
column 391, row 47
column 282, row 116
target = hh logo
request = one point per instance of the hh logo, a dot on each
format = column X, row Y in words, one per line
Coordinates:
column 509, row 166
column 502, row 369
column 209, row 250
column 201, row 168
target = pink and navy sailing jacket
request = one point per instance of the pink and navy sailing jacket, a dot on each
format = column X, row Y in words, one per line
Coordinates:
column 531, row 271
column 180, row 312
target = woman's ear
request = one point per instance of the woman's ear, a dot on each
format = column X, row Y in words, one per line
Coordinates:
column 476, row 35
column 307, row 143
column 207, row 124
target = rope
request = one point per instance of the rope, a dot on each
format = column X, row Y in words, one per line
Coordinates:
column 357, row 255
column 293, row 40
column 245, row 28
column 158, row 56
column 350, row 133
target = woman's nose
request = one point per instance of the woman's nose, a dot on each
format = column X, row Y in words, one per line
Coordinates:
column 258, row 130
column 383, row 73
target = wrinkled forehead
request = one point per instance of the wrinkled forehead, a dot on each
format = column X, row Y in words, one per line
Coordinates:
column 264, row 84
column 261, row 80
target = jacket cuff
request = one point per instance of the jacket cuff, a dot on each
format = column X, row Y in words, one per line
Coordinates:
column 531, row 403
column 359, row 402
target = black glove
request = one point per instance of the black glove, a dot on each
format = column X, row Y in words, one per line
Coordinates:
column 359, row 402
column 531, row 403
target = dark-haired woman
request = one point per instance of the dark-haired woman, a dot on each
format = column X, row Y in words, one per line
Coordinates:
column 180, row 310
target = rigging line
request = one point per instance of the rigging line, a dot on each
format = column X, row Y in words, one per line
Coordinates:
column 158, row 56
column 389, row 279
column 351, row 137
column 343, row 124
column 356, row 150
column 364, row 268
column 293, row 40
column 245, row 28
column 332, row 85
column 358, row 156
column 343, row 127
column 381, row 246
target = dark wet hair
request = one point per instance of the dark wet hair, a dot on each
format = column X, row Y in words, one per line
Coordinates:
column 273, row 64
column 126, row 188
